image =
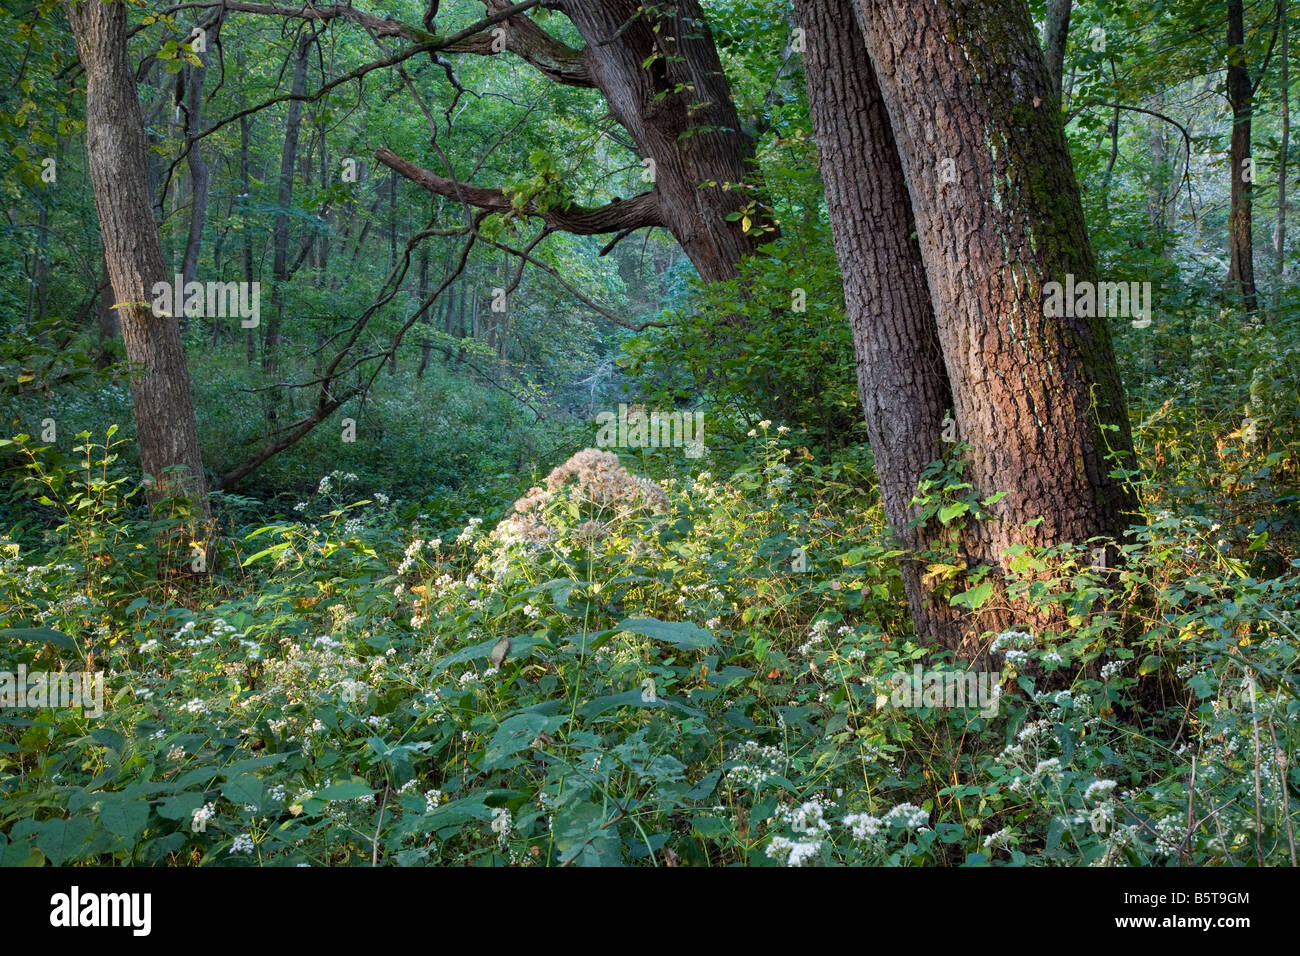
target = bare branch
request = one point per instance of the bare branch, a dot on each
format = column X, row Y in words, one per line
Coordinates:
column 526, row 256
column 385, row 26
column 1187, row 137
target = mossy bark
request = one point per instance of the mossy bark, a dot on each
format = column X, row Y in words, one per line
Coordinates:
column 998, row 214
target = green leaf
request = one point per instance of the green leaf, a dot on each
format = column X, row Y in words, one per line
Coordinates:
column 347, row 790
column 975, row 597
column 630, row 698
column 681, row 634
column 514, row 734
column 1055, row 830
column 950, row 511
column 448, row 815
column 180, row 807
column 245, row 789
column 709, row 827
column 110, row 739
column 273, row 549
column 49, row 635
column 59, row 839
column 520, row 647
column 581, row 836
column 157, row 848
column 123, row 816
column 20, row 854
column 705, row 785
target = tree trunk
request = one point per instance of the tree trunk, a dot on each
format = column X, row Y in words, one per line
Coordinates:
column 1056, row 31
column 168, row 439
column 1037, row 396
column 422, row 287
column 1241, row 246
column 246, row 233
column 662, row 79
column 902, row 381
column 474, row 314
column 1158, row 187
column 284, row 202
column 1284, row 136
column 462, row 320
column 200, row 174
column 38, row 292
column 108, row 322
column 679, row 111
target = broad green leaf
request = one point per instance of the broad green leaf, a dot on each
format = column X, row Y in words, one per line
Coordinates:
column 46, row 634
column 514, row 734
column 59, row 839
column 953, row 510
column 681, row 634
column 245, row 789
column 124, row 816
column 975, row 597
column 347, row 790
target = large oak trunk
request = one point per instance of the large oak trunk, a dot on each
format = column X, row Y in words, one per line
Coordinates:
column 901, row 376
column 998, row 214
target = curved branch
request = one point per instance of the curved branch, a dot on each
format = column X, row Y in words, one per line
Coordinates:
column 384, row 26
column 523, row 37
column 528, row 41
column 635, row 213
column 1187, row 137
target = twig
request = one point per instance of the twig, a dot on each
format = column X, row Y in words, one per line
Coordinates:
column 374, row 844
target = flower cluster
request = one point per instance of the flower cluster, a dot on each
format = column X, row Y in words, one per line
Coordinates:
column 594, row 480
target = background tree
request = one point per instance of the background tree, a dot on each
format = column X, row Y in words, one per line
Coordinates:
column 115, row 148
column 1241, row 93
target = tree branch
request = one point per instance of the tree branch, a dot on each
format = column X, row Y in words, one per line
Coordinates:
column 384, row 26
column 1187, row 137
column 526, row 256
column 635, row 213
column 532, row 44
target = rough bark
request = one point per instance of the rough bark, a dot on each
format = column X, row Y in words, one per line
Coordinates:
column 1241, row 246
column 109, row 326
column 1037, row 397
column 902, row 380
column 678, row 109
column 167, row 433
